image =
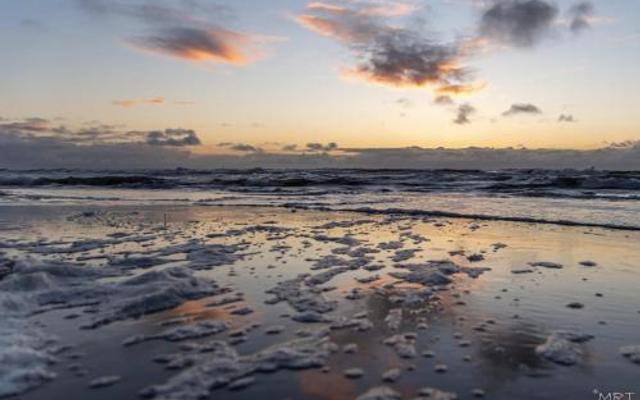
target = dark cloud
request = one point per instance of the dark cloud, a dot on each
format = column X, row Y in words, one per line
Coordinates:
column 95, row 133
column 26, row 125
column 520, row 23
column 245, row 148
column 443, row 100
column 566, row 118
column 463, row 113
column 241, row 147
column 29, row 152
column 627, row 144
column 386, row 53
column 404, row 58
column 619, row 156
column 173, row 137
column 322, row 147
column 189, row 29
column 522, row 108
column 580, row 15
column 290, row 147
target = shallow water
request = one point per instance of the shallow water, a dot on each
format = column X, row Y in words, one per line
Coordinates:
column 516, row 312
column 589, row 197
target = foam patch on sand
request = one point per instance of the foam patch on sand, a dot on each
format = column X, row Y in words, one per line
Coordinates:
column 216, row 364
column 25, row 357
column 36, row 287
column 434, row 273
column 563, row 347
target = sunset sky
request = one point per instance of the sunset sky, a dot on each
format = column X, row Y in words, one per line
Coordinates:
column 241, row 76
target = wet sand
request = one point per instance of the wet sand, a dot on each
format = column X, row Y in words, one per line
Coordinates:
column 501, row 309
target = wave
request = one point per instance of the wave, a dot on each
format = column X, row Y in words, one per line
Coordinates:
column 611, row 185
column 107, row 181
column 449, row 214
column 608, row 182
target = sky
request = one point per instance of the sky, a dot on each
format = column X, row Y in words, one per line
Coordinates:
column 251, row 78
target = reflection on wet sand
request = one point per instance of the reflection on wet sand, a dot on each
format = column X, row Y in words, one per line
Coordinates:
column 480, row 330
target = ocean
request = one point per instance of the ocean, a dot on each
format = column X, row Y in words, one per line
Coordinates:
column 566, row 197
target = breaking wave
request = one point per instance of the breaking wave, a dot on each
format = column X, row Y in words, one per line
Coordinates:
column 536, row 183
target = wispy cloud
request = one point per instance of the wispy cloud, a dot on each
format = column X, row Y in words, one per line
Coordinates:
column 581, row 15
column 189, row 30
column 196, row 44
column 126, row 103
column 25, row 126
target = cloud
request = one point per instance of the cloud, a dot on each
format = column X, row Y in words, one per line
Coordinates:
column 463, row 113
column 196, row 44
column 461, row 89
column 126, row 103
column 290, row 147
column 404, row 102
column 581, row 15
column 36, row 151
column 519, row 23
column 241, row 147
column 28, row 125
column 94, row 134
column 443, row 100
column 619, row 156
column 566, row 118
column 342, row 24
column 173, row 137
column 387, row 53
column 627, row 144
column 319, row 147
column 522, row 108
column 189, row 30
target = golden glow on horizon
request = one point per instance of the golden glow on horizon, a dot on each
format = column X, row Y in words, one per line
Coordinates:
column 314, row 89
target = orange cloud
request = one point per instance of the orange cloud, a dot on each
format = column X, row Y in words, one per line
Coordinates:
column 126, row 103
column 195, row 44
column 379, row 9
column 391, row 10
column 461, row 89
column 319, row 6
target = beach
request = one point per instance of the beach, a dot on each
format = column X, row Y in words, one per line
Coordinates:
column 187, row 301
column 319, row 200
